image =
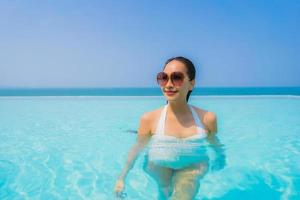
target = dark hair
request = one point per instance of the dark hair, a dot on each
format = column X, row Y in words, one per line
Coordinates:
column 190, row 68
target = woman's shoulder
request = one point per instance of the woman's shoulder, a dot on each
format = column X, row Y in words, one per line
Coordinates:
column 152, row 114
column 208, row 118
column 151, row 117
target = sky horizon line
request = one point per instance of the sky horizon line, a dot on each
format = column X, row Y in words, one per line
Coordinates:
column 145, row 87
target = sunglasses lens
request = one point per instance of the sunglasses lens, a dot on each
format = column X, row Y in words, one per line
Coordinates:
column 162, row 78
column 177, row 78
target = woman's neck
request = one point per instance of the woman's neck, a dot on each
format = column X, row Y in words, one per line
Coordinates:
column 176, row 108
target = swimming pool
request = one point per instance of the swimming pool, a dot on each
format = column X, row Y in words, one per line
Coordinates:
column 74, row 147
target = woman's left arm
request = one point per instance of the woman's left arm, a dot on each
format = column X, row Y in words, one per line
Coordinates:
column 210, row 120
column 211, row 123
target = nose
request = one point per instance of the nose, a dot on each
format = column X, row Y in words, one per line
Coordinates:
column 169, row 83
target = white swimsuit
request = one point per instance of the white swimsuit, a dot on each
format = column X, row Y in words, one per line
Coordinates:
column 170, row 151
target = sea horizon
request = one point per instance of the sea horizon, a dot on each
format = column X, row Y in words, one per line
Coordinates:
column 142, row 91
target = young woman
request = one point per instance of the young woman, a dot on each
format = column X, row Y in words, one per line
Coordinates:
column 175, row 133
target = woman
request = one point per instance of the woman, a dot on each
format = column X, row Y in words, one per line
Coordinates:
column 174, row 133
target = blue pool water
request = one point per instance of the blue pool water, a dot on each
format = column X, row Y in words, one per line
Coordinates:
column 74, row 147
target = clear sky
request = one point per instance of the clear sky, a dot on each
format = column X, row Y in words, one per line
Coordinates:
column 74, row 43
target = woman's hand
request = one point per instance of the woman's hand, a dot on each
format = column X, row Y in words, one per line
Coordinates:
column 119, row 187
column 219, row 163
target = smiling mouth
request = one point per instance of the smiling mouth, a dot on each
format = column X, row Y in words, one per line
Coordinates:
column 170, row 92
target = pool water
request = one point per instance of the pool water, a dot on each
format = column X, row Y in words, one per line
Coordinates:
column 75, row 147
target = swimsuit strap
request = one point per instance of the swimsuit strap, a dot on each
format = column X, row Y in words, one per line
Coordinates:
column 161, row 123
column 198, row 122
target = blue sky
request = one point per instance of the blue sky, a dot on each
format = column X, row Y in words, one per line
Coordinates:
column 125, row 43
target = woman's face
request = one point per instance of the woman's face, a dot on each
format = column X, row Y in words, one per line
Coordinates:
column 180, row 91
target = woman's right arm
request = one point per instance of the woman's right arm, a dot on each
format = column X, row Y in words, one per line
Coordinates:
column 143, row 136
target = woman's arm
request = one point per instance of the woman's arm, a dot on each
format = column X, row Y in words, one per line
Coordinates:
column 144, row 134
column 210, row 120
column 217, row 146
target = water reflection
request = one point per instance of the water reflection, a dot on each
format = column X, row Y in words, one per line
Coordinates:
column 219, row 160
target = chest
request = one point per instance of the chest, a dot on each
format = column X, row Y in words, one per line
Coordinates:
column 179, row 127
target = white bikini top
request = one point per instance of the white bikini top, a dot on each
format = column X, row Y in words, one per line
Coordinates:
column 161, row 125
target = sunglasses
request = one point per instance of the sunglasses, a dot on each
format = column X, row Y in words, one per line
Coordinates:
column 176, row 78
